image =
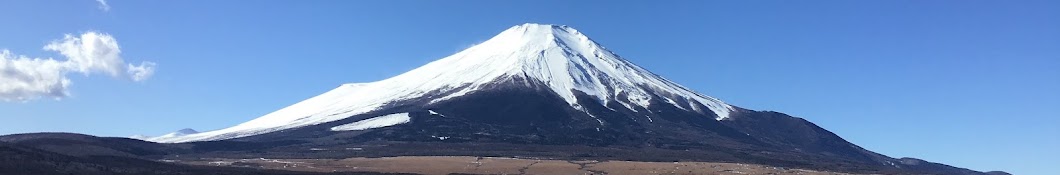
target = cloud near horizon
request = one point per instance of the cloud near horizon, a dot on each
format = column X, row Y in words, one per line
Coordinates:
column 24, row 78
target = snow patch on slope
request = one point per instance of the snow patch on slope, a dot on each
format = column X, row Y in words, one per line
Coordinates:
column 376, row 122
column 435, row 113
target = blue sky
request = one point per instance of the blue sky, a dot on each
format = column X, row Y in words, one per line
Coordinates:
column 973, row 84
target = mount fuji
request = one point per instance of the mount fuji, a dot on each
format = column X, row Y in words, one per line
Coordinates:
column 545, row 91
column 556, row 58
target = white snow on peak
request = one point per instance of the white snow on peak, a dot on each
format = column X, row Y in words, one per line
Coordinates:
column 559, row 56
column 375, row 122
column 567, row 61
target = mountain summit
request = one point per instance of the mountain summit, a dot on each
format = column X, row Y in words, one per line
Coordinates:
column 545, row 91
column 556, row 56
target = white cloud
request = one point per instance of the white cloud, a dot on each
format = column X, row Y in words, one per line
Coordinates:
column 23, row 78
column 103, row 5
column 90, row 52
column 141, row 72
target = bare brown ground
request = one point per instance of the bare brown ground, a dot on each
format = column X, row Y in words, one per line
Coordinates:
column 440, row 165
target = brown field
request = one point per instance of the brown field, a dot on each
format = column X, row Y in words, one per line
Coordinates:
column 440, row 165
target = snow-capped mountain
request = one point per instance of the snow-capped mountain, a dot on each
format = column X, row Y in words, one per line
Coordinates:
column 542, row 91
column 565, row 60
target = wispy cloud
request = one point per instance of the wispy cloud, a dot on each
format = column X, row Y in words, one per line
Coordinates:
column 141, row 72
column 103, row 5
column 24, row 78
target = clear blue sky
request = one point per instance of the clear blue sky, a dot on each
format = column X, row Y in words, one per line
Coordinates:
column 973, row 84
